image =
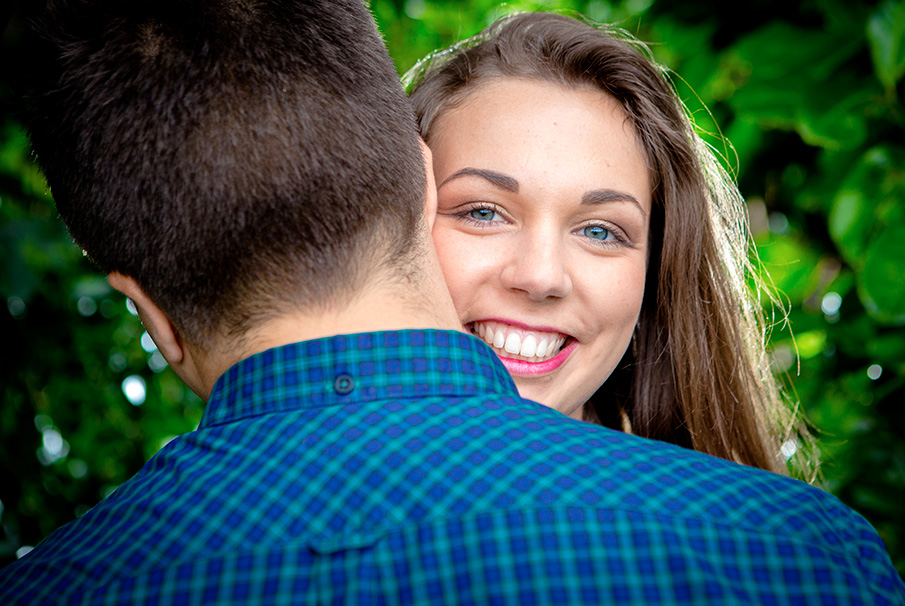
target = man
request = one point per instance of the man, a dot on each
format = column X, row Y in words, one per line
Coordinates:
column 248, row 173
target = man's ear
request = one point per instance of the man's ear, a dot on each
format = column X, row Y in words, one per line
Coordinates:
column 430, row 194
column 156, row 322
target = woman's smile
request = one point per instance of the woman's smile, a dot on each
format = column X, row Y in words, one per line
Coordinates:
column 521, row 343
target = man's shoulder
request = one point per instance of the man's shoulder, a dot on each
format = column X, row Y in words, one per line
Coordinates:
column 558, row 460
column 597, row 466
column 560, row 487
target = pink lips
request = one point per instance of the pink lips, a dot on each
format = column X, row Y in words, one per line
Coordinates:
column 521, row 367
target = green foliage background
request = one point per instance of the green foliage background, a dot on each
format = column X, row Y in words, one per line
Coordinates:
column 810, row 96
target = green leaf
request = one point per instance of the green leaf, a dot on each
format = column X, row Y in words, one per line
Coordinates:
column 789, row 263
column 17, row 162
column 882, row 288
column 835, row 125
column 810, row 343
column 779, row 51
column 886, row 35
column 808, row 90
column 868, row 199
column 888, row 349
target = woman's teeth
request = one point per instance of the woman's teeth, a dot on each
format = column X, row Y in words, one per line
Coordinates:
column 532, row 346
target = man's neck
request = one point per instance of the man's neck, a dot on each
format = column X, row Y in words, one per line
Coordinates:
column 375, row 308
column 377, row 312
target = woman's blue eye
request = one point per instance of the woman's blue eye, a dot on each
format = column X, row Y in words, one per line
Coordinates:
column 596, row 232
column 481, row 214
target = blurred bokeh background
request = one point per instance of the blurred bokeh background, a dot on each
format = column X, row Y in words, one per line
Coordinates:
column 810, row 96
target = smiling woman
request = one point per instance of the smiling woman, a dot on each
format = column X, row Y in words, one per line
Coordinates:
column 542, row 230
column 590, row 238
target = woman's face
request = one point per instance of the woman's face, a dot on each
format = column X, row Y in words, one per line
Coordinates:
column 542, row 231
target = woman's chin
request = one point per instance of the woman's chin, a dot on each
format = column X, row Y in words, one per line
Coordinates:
column 570, row 407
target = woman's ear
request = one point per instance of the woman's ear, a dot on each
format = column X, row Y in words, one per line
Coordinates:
column 156, row 322
column 430, row 194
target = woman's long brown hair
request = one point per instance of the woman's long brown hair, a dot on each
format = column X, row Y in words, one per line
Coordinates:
column 697, row 373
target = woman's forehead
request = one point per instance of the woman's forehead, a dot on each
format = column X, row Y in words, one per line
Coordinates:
column 543, row 134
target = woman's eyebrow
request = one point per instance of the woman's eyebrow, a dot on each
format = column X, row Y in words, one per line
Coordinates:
column 500, row 180
column 602, row 196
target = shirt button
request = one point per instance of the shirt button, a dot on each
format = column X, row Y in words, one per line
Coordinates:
column 343, row 384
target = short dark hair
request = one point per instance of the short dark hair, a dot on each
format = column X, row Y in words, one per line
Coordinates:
column 237, row 158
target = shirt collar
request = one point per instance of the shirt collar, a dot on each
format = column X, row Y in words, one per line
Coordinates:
column 357, row 368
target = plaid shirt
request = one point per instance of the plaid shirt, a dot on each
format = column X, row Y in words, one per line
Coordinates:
column 401, row 467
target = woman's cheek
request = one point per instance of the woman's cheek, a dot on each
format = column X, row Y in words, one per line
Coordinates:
column 455, row 257
column 469, row 263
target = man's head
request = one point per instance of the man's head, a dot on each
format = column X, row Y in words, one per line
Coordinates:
column 238, row 159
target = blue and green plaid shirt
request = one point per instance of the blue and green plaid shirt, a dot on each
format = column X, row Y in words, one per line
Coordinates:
column 402, row 467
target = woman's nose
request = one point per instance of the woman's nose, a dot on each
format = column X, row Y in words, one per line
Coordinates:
column 537, row 267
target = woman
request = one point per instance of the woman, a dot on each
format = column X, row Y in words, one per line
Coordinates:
column 590, row 237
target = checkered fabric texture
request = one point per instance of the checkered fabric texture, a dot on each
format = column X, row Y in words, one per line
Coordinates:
column 402, row 468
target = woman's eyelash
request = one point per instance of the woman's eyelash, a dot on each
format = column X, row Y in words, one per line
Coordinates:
column 470, row 214
column 613, row 236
